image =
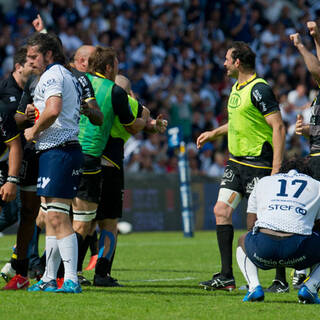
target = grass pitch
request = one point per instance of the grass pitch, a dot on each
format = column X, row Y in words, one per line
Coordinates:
column 160, row 273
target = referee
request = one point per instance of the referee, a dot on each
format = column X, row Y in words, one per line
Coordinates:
column 256, row 138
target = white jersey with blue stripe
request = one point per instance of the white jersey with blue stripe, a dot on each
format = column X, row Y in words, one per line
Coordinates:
column 287, row 202
column 58, row 81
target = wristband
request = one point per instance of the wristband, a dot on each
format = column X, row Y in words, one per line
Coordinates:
column 13, row 179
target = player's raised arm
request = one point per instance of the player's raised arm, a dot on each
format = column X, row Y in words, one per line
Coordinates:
column 311, row 61
column 314, row 32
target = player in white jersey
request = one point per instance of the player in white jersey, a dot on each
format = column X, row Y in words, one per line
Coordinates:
column 57, row 99
column 283, row 210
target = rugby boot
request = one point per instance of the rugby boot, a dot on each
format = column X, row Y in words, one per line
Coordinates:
column 298, row 280
column 92, row 263
column 83, row 280
column 17, row 282
column 50, row 286
column 307, row 297
column 219, row 282
column 105, row 281
column 7, row 272
column 60, row 282
column 278, row 286
column 70, row 286
column 255, row 295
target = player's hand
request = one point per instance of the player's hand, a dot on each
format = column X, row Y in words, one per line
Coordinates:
column 313, row 29
column 85, row 109
column 38, row 23
column 161, row 124
column 296, row 39
column 299, row 125
column 205, row 137
column 30, row 112
column 29, row 134
column 8, row 191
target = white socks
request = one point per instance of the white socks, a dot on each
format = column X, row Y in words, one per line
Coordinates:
column 303, row 271
column 313, row 282
column 248, row 269
column 68, row 247
column 53, row 259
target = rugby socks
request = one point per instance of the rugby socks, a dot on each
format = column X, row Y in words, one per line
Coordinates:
column 281, row 275
column 102, row 267
column 68, row 248
column 22, row 267
column 83, row 251
column 248, row 269
column 53, row 259
column 111, row 262
column 225, row 238
column 313, row 282
column 303, row 271
column 104, row 262
column 112, row 244
column 80, row 254
column 94, row 243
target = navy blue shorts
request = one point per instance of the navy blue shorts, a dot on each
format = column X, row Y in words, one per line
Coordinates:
column 59, row 172
column 298, row 251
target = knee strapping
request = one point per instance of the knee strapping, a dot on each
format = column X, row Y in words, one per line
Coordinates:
column 43, row 207
column 84, row 216
column 58, row 207
column 112, row 239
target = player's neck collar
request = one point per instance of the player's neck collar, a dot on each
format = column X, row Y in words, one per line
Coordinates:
column 100, row 75
column 51, row 65
column 242, row 84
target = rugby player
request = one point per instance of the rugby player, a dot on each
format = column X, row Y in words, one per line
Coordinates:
column 113, row 101
column 256, row 137
column 311, row 129
column 25, row 117
column 57, row 97
column 282, row 212
column 110, row 205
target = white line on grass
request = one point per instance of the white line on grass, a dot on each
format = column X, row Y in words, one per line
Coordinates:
column 158, row 280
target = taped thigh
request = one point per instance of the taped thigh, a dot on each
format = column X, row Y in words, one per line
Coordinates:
column 230, row 197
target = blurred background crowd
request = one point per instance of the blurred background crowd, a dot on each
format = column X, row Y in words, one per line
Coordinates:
column 173, row 52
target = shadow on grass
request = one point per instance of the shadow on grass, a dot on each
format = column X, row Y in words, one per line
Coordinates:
column 282, row 301
column 158, row 270
column 142, row 290
column 153, row 292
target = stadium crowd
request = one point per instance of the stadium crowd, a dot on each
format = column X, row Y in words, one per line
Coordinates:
column 173, row 52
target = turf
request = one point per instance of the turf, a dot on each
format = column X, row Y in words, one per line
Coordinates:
column 160, row 273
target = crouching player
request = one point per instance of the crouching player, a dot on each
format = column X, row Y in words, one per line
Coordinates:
column 282, row 210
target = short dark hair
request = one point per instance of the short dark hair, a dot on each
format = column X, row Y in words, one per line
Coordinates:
column 100, row 58
column 242, row 51
column 48, row 42
column 297, row 163
column 20, row 56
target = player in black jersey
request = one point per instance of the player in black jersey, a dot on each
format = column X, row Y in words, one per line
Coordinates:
column 312, row 129
column 110, row 206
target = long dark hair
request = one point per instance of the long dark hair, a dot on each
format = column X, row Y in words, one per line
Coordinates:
column 48, row 42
